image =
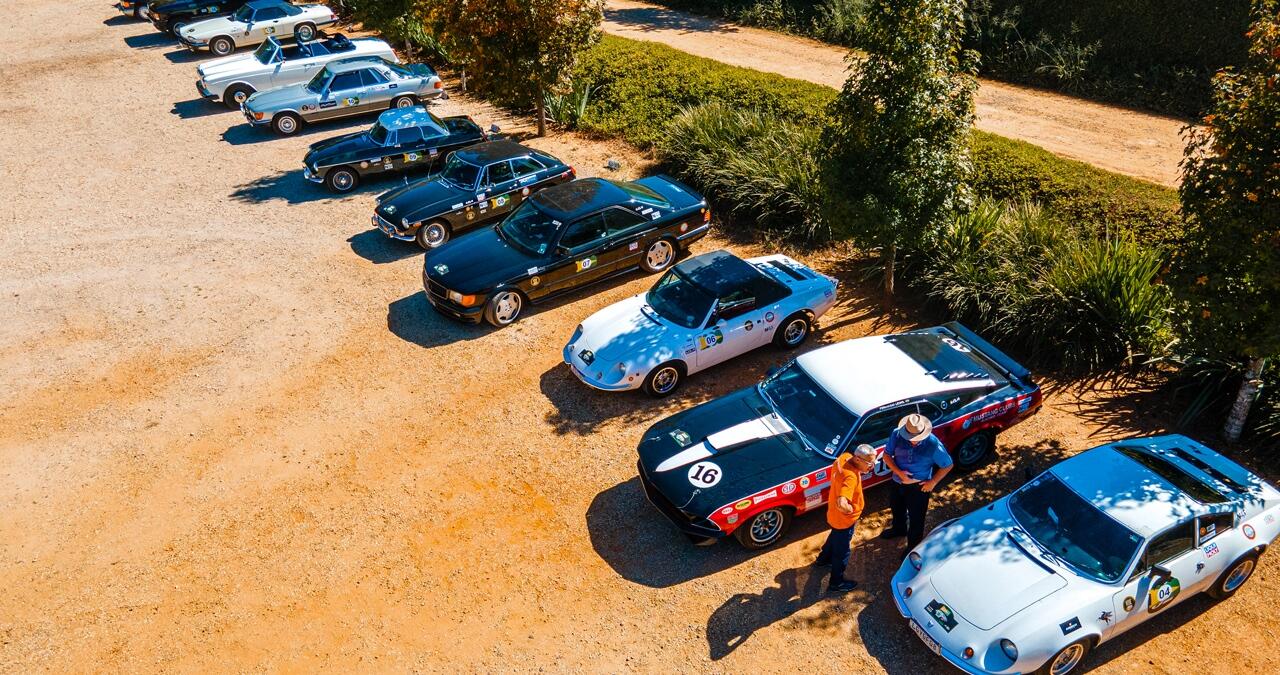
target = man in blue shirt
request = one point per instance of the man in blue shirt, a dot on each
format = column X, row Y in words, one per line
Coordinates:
column 919, row 462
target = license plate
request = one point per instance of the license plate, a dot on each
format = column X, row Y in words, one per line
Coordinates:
column 929, row 642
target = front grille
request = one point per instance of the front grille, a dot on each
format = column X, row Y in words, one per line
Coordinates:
column 438, row 290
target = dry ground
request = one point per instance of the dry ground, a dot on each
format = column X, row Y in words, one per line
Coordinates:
column 234, row 437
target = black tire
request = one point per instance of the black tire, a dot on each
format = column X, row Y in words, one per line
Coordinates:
column 222, row 46
column 236, row 94
column 660, row 255
column 433, row 234
column 504, row 307
column 304, row 32
column 1072, row 656
column 793, row 331
column 286, row 123
column 764, row 529
column 341, row 179
column 404, row 102
column 664, row 379
column 1245, row 565
column 974, row 450
column 137, row 11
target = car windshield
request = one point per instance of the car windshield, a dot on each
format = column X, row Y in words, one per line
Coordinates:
column 641, row 193
column 378, row 134
column 679, row 300
column 460, row 173
column 265, row 53
column 808, row 408
column 530, row 229
column 1073, row 529
column 243, row 14
column 316, row 85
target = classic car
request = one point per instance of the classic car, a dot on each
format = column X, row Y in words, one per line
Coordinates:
column 136, row 9
column 342, row 89
column 435, row 209
column 272, row 65
column 253, row 23
column 561, row 239
column 1098, row 544
column 403, row 139
column 745, row 464
column 702, row 312
column 171, row 16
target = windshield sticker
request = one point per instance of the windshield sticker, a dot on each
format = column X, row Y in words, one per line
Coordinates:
column 711, row 339
column 1070, row 625
column 704, row 474
column 1163, row 594
column 584, row 265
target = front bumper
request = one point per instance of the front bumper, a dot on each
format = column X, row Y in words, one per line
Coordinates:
column 204, row 91
column 192, row 43
column 695, row 530
column 390, row 229
column 255, row 122
column 901, row 603
column 314, row 177
column 437, row 295
column 595, row 383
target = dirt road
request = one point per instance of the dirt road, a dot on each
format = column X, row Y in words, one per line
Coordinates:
column 1134, row 143
column 233, row 437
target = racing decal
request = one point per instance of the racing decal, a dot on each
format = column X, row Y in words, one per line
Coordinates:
column 351, row 101
column 500, row 201
column 364, row 165
column 535, row 281
column 584, row 265
column 525, row 192
column 1248, row 531
column 804, row 482
column 726, row 510
column 769, row 317
column 764, row 497
column 1163, row 594
column 442, row 269
column 328, row 104
column 822, row 475
column 711, row 339
column 1211, row 550
column 1269, row 518
column 992, row 412
column 635, row 245
column 456, row 206
column 308, row 108
column 681, row 436
column 1105, row 617
column 956, row 345
column 1070, row 625
column 1129, row 602
column 812, row 501
column 471, row 215
column 748, row 432
column 686, row 456
column 944, row 616
column 744, row 504
column 412, row 157
column 749, row 325
column 270, row 30
column 705, row 474
column 733, row 518
column 788, row 488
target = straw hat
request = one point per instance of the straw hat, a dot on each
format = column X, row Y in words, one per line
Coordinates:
column 915, row 427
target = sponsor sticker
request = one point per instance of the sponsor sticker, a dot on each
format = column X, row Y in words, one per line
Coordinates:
column 764, row 497
column 535, row 281
column 769, row 316
column 1211, row 550
column 705, row 474
column 744, row 504
column 1163, row 594
column 500, row 201
column 1070, row 625
column 804, row 482
column 812, row 501
column 525, row 192
column 442, row 269
column 821, row 476
column 711, row 339
column 733, row 518
column 586, row 264
column 457, row 206
column 943, row 615
column 1105, row 617
column 328, row 104
column 635, row 245
column 1248, row 531
column 726, row 510
column 788, row 488
column 1129, row 602
column 1269, row 518
column 351, row 101
column 955, row 344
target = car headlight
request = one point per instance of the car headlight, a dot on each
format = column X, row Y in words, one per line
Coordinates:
column 916, row 561
column 1010, row 650
column 464, row 300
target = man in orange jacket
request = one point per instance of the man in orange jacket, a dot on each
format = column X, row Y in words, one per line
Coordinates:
column 844, row 507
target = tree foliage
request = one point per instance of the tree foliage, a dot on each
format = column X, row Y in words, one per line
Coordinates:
column 897, row 158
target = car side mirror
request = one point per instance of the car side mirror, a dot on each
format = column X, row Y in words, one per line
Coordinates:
column 1160, row 573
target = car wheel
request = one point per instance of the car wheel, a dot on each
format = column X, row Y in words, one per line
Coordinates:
column 764, row 529
column 793, row 332
column 341, row 179
column 236, row 95
column 432, row 235
column 286, row 123
column 504, row 308
column 403, row 102
column 304, row 32
column 973, row 450
column 1068, row 659
column 222, row 46
column 658, row 256
column 664, row 380
column 1234, row 577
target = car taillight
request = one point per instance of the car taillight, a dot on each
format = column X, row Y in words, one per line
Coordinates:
column 573, row 173
column 439, row 84
column 706, row 216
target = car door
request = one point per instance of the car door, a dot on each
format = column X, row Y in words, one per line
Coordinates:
column 581, row 253
column 1163, row 576
column 378, row 89
column 411, row 150
column 630, row 234
column 343, row 96
column 1209, row 528
column 499, row 183
column 266, row 23
column 734, row 328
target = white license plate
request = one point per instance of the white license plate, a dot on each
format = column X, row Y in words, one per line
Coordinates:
column 929, row 642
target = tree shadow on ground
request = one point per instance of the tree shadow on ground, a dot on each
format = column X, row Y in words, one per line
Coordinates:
column 150, row 41
column 413, row 320
column 376, row 247
column 197, row 107
column 651, row 19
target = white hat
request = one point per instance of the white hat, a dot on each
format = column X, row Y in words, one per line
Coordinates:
column 915, row 427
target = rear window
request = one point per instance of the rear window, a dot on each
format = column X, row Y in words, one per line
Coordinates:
column 945, row 358
column 1182, row 480
column 641, row 193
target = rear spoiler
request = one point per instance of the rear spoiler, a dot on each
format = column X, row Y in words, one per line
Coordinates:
column 1011, row 368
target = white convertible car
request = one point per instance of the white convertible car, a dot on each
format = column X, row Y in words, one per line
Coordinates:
column 1096, row 545
column 255, row 22
column 705, row 310
column 272, row 65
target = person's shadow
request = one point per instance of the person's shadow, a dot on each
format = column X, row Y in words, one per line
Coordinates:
column 745, row 613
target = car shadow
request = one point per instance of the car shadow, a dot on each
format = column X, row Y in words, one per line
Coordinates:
column 184, row 55
column 149, row 40
column 412, row 319
column 196, row 108
column 291, row 188
column 121, row 20
column 247, row 134
column 379, row 249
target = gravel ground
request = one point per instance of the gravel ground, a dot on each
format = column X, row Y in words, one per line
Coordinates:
column 234, row 437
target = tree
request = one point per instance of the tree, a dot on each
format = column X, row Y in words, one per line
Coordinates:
column 517, row 50
column 1228, row 264
column 896, row 163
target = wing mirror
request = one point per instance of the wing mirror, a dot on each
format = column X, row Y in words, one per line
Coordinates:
column 1160, row 573
column 495, row 129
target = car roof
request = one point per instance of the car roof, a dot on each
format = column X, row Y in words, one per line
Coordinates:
column 719, row 272
column 353, row 63
column 259, row 4
column 572, row 200
column 401, row 118
column 866, row 373
column 492, row 151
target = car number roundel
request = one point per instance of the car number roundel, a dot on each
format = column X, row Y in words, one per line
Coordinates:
column 705, row 474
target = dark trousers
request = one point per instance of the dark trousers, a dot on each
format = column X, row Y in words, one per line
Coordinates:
column 909, row 505
column 836, row 550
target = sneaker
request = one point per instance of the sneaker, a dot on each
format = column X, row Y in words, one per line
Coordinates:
column 819, row 562
column 843, row 586
column 893, row 534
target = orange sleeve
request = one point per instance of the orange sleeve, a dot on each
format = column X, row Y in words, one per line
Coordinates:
column 852, row 490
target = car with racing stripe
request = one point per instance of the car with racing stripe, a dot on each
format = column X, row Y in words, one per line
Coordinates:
column 702, row 312
column 478, row 185
column 232, row 79
column 253, row 23
column 1101, row 543
column 745, row 464
column 561, row 239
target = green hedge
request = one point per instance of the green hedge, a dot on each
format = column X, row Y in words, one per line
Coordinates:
column 642, row 86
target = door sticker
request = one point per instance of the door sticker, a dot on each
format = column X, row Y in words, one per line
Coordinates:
column 1163, row 594
column 500, row 201
column 412, row 157
column 351, row 101
column 271, row 30
column 586, row 264
column 711, row 339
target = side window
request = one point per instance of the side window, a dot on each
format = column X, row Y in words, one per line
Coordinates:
column 585, row 231
column 345, row 81
column 268, row 13
column 1167, row 546
column 410, row 135
column 524, row 166
column 1213, row 525
column 500, row 173
column 954, row 400
column 622, row 220
column 930, row 410
column 735, row 304
column 372, row 77
column 769, row 291
column 878, row 426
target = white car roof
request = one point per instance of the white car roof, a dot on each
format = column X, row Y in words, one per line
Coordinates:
column 866, row 373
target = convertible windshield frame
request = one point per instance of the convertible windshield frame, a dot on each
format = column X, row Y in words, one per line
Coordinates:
column 658, row 307
column 842, row 430
column 320, row 82
column 267, row 52
column 244, row 14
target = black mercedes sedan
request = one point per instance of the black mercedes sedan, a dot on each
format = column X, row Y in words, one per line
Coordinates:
column 562, row 239
column 403, row 139
column 479, row 184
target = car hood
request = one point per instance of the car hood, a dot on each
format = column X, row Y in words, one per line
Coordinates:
column 228, row 66
column 623, row 329
column 422, row 200
column 340, row 148
column 986, row 569
column 739, row 433
column 208, row 28
column 477, row 262
column 275, row 99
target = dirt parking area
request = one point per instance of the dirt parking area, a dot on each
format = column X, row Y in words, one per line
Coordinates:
column 234, row 437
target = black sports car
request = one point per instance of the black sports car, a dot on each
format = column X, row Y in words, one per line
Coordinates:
column 169, row 16
column 403, row 139
column 561, row 239
column 479, row 184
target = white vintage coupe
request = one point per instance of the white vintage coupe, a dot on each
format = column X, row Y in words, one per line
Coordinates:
column 255, row 22
column 1096, row 545
column 272, row 65
column 704, row 311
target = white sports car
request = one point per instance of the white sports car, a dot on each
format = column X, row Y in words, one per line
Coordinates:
column 272, row 65
column 705, row 310
column 254, row 23
column 1096, row 545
